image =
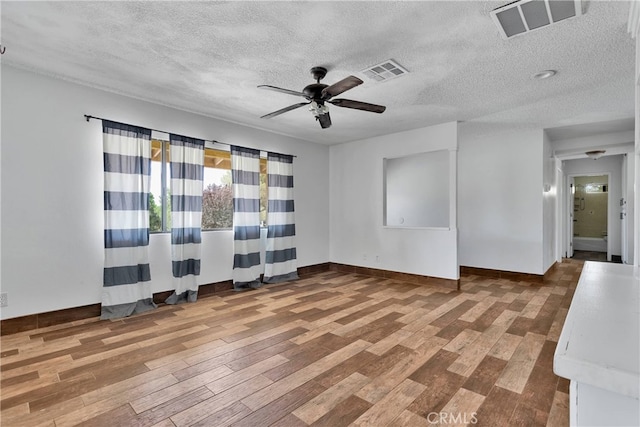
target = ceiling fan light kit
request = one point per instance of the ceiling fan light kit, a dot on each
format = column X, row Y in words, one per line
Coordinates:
column 318, row 94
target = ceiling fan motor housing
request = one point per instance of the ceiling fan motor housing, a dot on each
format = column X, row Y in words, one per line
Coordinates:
column 313, row 92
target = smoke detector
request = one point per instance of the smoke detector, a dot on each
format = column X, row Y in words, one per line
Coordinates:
column 523, row 16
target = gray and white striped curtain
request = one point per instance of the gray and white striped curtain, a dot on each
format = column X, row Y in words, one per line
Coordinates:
column 187, row 169
column 127, row 165
column 245, row 176
column 280, row 263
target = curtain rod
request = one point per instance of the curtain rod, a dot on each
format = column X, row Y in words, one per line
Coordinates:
column 213, row 141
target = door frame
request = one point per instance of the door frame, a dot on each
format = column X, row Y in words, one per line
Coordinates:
column 568, row 217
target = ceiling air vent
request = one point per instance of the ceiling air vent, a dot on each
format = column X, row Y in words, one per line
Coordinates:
column 386, row 70
column 523, row 16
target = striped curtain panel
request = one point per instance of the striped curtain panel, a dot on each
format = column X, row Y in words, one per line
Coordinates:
column 280, row 263
column 187, row 169
column 127, row 165
column 245, row 176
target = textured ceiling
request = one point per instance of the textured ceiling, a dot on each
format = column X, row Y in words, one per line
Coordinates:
column 208, row 58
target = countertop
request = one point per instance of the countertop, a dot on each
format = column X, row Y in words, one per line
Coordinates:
column 600, row 340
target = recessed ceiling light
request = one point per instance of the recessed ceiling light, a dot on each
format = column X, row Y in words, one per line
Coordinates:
column 544, row 74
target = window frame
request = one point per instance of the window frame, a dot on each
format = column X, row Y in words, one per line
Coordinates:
column 220, row 157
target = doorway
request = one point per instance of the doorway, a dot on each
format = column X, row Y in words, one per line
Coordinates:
column 589, row 218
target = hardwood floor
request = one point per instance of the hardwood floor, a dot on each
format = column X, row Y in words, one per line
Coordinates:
column 590, row 256
column 331, row 349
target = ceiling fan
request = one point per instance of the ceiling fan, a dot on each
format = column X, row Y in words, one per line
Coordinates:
column 318, row 94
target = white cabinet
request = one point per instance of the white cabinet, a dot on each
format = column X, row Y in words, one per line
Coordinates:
column 599, row 347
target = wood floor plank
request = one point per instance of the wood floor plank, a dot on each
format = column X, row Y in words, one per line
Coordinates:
column 462, row 408
column 274, row 391
column 164, row 410
column 263, row 367
column 49, row 391
column 408, row 418
column 556, row 325
column 516, row 373
column 505, row 346
column 225, row 417
column 559, row 413
column 330, row 398
column 283, row 405
column 100, row 407
column 525, row 415
column 382, row 385
column 462, row 340
column 390, row 341
column 179, row 388
column 332, row 376
column 473, row 353
column 497, row 408
column 202, row 409
column 297, row 358
column 484, row 377
column 440, row 389
column 540, row 388
column 229, row 353
column 391, row 405
column 344, row 413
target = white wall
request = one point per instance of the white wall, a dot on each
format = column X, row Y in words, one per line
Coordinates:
column 500, row 203
column 613, row 166
column 357, row 233
column 628, row 186
column 549, row 204
column 52, row 184
column 636, row 245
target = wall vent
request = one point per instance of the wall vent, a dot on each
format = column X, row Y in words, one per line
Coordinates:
column 386, row 70
column 523, row 16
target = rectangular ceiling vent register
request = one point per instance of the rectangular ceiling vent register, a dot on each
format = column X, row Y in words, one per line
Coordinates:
column 523, row 16
column 386, row 70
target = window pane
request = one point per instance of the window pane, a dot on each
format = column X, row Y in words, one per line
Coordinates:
column 155, row 190
column 217, row 194
column 263, row 199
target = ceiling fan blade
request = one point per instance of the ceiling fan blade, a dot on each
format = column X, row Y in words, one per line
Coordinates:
column 281, row 90
column 325, row 120
column 284, row 110
column 342, row 86
column 358, row 105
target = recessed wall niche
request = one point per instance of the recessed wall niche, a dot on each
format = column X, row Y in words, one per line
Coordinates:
column 416, row 190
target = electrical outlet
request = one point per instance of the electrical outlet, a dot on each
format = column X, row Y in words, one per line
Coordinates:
column 4, row 299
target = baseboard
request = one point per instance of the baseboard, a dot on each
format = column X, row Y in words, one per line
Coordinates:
column 405, row 277
column 313, row 269
column 56, row 317
column 500, row 274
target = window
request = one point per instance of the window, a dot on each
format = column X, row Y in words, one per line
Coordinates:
column 159, row 218
column 217, row 194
